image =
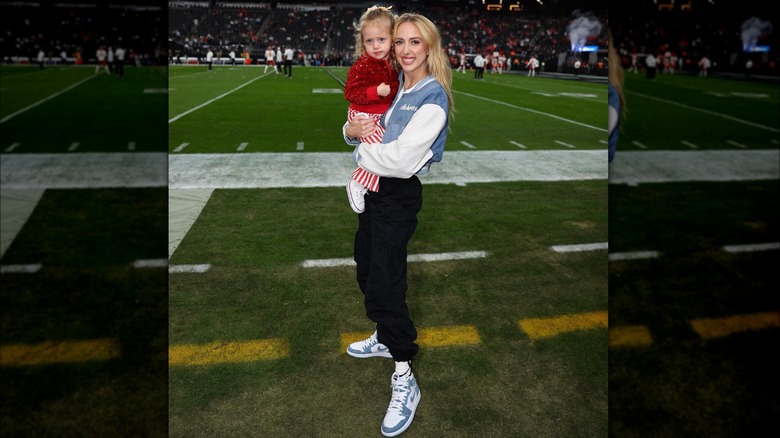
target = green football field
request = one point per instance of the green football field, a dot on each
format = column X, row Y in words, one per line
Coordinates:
column 83, row 294
column 509, row 275
column 511, row 313
column 510, row 285
column 219, row 110
column 694, row 237
column 72, row 109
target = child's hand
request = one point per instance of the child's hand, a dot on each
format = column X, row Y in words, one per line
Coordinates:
column 383, row 89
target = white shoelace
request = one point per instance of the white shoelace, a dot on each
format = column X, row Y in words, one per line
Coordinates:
column 400, row 390
column 370, row 342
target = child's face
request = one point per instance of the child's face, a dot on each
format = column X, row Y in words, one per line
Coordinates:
column 376, row 40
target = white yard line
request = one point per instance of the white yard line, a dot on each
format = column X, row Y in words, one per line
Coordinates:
column 553, row 116
column 10, row 116
column 580, row 247
column 717, row 114
column 184, row 269
column 737, row 144
column 752, row 247
column 436, row 257
column 633, row 255
column 151, row 263
column 562, row 143
column 20, row 269
column 213, row 100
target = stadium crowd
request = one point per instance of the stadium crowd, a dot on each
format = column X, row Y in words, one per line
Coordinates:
column 680, row 37
column 320, row 33
column 73, row 32
column 323, row 34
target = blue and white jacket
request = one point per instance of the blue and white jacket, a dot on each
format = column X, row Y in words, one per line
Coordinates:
column 416, row 127
column 614, row 120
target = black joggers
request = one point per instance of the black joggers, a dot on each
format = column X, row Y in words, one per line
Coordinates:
column 384, row 231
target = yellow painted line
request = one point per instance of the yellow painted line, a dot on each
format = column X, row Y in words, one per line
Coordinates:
column 52, row 352
column 348, row 338
column 448, row 336
column 709, row 328
column 538, row 328
column 432, row 337
column 225, row 352
column 630, row 336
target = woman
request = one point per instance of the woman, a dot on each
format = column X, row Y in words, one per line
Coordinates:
column 615, row 98
column 415, row 133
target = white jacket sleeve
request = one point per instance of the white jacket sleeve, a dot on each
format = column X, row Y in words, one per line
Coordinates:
column 404, row 157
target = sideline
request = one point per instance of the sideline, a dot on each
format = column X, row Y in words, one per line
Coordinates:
column 18, row 205
column 327, row 169
column 84, row 170
column 635, row 167
column 25, row 177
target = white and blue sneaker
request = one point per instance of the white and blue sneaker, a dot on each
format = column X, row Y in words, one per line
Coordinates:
column 403, row 404
column 368, row 348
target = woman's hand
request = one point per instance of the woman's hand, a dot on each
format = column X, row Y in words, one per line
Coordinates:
column 360, row 126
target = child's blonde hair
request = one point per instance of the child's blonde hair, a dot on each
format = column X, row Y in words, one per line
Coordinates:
column 381, row 14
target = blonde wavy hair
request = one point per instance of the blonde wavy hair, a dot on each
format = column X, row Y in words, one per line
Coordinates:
column 616, row 73
column 378, row 15
column 437, row 62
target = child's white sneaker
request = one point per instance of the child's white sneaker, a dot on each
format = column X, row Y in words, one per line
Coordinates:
column 356, row 194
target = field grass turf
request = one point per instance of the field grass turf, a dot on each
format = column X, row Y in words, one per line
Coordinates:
column 256, row 239
column 682, row 383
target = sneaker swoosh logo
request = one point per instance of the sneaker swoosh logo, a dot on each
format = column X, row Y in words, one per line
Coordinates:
column 413, row 397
